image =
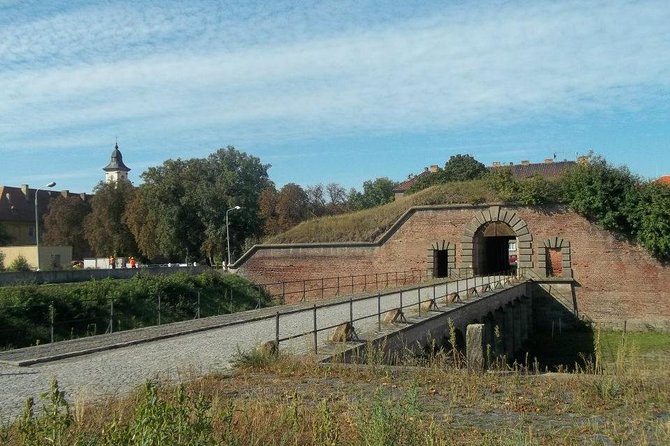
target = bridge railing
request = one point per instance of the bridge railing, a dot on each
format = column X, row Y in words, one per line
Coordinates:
column 422, row 298
column 305, row 290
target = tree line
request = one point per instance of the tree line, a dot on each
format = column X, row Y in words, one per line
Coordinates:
column 178, row 212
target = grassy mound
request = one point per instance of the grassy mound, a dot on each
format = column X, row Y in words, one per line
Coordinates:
column 367, row 225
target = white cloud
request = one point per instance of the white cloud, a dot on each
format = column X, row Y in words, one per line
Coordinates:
column 461, row 67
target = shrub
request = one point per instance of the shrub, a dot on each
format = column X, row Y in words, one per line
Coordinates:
column 19, row 264
column 2, row 261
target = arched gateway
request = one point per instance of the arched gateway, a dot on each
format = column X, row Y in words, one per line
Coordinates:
column 491, row 239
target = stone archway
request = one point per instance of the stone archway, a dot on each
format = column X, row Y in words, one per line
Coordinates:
column 510, row 218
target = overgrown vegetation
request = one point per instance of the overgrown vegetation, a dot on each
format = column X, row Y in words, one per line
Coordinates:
column 82, row 309
column 295, row 401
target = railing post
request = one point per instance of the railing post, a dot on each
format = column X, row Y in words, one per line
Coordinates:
column 418, row 293
column 277, row 330
column 159, row 308
column 51, row 320
column 365, row 282
column 283, row 293
column 322, row 287
column 400, row 300
column 316, row 348
column 304, row 290
column 396, row 278
column 351, row 310
column 352, row 284
column 379, row 311
column 376, row 282
column 337, row 293
column 111, row 316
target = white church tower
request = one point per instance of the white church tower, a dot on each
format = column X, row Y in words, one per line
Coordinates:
column 116, row 170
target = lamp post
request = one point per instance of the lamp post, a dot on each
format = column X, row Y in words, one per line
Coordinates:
column 228, row 232
column 37, row 225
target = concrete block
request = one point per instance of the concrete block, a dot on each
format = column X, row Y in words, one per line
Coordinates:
column 394, row 315
column 475, row 347
column 429, row 305
column 343, row 333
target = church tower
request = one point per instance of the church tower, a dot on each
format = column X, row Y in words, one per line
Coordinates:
column 116, row 170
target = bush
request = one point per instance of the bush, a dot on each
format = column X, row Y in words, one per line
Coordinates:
column 19, row 264
column 2, row 261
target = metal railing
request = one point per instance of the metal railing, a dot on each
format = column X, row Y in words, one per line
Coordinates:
column 449, row 290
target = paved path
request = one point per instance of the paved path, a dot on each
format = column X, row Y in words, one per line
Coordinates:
column 175, row 356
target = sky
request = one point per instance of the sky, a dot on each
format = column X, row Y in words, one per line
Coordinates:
column 337, row 91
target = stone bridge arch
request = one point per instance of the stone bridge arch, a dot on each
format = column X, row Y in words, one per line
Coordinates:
column 495, row 219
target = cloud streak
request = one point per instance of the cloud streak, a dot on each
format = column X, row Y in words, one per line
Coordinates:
column 264, row 75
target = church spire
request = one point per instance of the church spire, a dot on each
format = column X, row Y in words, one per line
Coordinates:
column 116, row 169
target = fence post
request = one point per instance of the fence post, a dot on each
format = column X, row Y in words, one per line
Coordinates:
column 401, row 300
column 51, row 320
column 304, row 290
column 322, row 287
column 337, row 292
column 277, row 330
column 365, row 282
column 159, row 308
column 283, row 293
column 316, row 348
column 352, row 284
column 379, row 311
column 351, row 311
column 111, row 316
column 396, row 278
column 376, row 282
column 418, row 292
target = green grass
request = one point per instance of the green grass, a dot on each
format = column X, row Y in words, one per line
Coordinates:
column 367, row 225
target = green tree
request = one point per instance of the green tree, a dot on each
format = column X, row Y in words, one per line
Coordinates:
column 267, row 203
column 375, row 193
column 605, row 194
column 20, row 263
column 182, row 205
column 653, row 231
column 105, row 228
column 64, row 225
column 463, row 168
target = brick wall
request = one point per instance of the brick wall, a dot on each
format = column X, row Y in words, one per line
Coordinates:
column 615, row 280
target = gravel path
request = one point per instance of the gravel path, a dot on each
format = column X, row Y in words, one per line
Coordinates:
column 119, row 370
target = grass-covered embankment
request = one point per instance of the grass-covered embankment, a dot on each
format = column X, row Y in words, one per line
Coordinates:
column 295, row 401
column 82, row 309
column 368, row 224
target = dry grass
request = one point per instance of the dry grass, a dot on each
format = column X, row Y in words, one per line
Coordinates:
column 295, row 401
column 367, row 225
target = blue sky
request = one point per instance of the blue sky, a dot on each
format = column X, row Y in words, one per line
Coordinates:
column 339, row 91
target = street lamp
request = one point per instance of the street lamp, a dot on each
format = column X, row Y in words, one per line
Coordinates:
column 236, row 208
column 37, row 225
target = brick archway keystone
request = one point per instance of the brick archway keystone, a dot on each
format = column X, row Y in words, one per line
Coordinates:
column 512, row 219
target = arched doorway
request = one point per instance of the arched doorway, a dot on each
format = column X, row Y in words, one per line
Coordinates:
column 494, row 246
column 495, row 234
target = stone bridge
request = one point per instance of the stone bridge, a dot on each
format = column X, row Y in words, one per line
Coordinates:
column 116, row 363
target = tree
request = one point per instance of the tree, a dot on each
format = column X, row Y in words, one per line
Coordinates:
column 654, row 226
column 105, row 228
column 463, row 168
column 182, row 205
column 605, row 194
column 291, row 206
column 267, row 203
column 375, row 193
column 64, row 225
column 316, row 202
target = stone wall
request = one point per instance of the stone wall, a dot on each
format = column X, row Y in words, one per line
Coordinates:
column 614, row 280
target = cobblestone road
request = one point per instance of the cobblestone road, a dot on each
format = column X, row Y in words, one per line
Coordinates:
column 120, row 370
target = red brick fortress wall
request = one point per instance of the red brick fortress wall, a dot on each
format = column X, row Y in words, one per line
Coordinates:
column 615, row 280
